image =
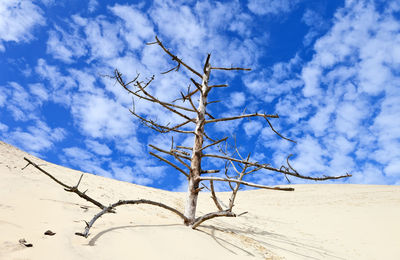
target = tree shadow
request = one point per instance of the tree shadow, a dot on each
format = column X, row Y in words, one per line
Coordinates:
column 92, row 242
column 265, row 239
column 219, row 240
column 286, row 244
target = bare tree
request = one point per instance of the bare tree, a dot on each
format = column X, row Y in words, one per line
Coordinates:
column 190, row 161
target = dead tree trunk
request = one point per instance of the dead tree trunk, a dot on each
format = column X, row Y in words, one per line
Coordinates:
column 195, row 166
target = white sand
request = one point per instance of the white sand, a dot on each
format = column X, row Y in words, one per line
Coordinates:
column 313, row 222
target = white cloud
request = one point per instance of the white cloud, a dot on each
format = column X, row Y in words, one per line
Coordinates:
column 368, row 174
column 18, row 18
column 64, row 46
column 76, row 152
column 185, row 28
column 60, row 86
column 320, row 122
column 37, row 138
column 315, row 22
column 332, row 97
column 252, row 127
column 3, row 96
column 273, row 82
column 130, row 146
column 98, row 148
column 101, row 117
column 143, row 173
column 92, row 5
column 310, row 156
column 103, row 39
column 311, row 76
column 48, row 2
column 39, row 90
column 228, row 126
column 136, row 31
column 86, row 80
column 236, row 99
column 3, row 127
column 20, row 102
column 349, row 116
column 349, row 99
column 272, row 7
column 194, row 32
column 85, row 160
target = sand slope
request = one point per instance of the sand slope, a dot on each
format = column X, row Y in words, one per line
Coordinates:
column 313, row 222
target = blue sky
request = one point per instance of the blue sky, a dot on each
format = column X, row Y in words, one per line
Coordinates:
column 330, row 69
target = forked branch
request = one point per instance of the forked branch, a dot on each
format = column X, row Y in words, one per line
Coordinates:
column 174, row 57
column 208, row 216
column 161, row 128
column 120, row 80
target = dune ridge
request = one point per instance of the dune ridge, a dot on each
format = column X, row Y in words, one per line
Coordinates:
column 321, row 221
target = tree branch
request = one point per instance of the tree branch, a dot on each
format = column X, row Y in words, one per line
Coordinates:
column 214, row 196
column 214, row 143
column 170, row 163
column 276, row 132
column 239, row 117
column 168, row 107
column 181, row 161
column 236, row 189
column 218, row 68
column 219, row 86
column 265, row 166
column 210, row 171
column 175, row 58
column 170, row 153
column 208, row 216
column 161, row 128
column 118, row 77
column 125, row 202
column 184, row 147
column 244, row 183
column 68, row 188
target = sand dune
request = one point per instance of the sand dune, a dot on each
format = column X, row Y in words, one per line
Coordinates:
column 313, row 222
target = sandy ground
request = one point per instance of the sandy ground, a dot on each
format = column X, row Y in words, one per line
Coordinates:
column 313, row 222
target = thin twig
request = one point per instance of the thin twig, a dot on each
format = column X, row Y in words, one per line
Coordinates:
column 170, row 153
column 214, row 143
column 217, row 68
column 210, row 171
column 214, row 196
column 170, row 163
